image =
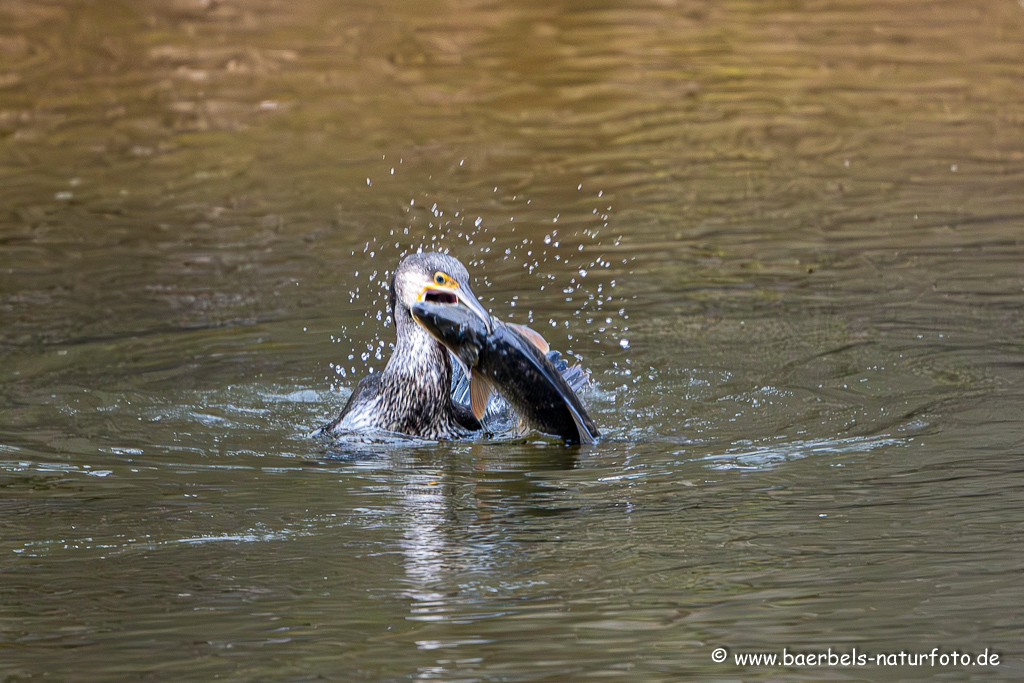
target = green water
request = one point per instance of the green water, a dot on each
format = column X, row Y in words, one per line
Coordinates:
column 787, row 238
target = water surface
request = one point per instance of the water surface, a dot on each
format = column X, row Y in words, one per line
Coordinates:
column 785, row 236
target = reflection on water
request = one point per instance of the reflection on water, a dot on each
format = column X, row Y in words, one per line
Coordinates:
column 786, row 238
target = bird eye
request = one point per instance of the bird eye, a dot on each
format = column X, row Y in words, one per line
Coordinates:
column 439, row 278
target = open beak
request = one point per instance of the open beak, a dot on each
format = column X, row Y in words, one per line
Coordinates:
column 468, row 299
column 462, row 296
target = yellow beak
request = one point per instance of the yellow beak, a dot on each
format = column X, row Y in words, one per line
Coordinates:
column 463, row 296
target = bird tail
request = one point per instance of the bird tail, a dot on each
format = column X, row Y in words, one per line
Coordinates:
column 576, row 376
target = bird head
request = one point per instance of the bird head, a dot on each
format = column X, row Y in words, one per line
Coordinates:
column 436, row 278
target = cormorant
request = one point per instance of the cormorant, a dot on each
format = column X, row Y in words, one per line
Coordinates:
column 413, row 394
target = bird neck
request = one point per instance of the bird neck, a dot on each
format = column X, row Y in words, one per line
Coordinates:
column 417, row 355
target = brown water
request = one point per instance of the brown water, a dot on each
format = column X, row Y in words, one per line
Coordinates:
column 804, row 219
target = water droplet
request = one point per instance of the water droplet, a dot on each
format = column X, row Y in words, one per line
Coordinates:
column 624, row 343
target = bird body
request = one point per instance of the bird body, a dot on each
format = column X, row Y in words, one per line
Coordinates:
column 412, row 395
